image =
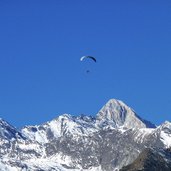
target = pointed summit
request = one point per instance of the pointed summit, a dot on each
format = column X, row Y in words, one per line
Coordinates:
column 117, row 114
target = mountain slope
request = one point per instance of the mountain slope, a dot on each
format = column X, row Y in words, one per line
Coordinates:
column 8, row 132
column 151, row 160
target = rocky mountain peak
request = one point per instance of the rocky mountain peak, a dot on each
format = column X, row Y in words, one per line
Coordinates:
column 7, row 131
column 165, row 127
column 116, row 114
column 166, row 124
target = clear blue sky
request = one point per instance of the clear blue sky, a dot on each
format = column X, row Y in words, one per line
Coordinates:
column 41, row 43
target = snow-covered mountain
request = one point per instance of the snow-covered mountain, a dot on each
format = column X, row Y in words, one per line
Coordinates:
column 109, row 141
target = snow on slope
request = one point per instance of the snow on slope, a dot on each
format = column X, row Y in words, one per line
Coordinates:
column 142, row 133
column 43, row 164
column 5, row 167
column 64, row 124
column 165, row 133
column 7, row 131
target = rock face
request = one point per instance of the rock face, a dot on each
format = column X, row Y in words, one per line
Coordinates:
column 107, row 142
column 117, row 114
column 151, row 160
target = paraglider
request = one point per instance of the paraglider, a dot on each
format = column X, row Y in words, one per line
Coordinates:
column 91, row 57
column 88, row 57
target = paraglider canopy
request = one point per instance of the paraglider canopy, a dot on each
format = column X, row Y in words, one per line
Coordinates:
column 90, row 57
column 88, row 62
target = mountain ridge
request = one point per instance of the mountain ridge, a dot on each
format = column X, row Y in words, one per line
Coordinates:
column 109, row 141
